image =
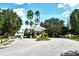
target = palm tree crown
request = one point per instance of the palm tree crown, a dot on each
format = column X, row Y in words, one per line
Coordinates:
column 37, row 13
column 30, row 14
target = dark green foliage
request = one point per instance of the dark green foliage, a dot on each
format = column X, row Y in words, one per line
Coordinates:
column 26, row 33
column 30, row 22
column 10, row 22
column 30, row 14
column 74, row 21
column 64, row 30
column 36, row 21
column 27, row 22
column 54, row 27
column 37, row 13
column 29, row 17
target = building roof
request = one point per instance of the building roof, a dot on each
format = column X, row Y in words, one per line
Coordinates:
column 36, row 28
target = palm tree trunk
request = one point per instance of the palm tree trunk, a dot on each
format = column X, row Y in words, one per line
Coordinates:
column 30, row 30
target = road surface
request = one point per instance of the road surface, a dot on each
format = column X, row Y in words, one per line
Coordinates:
column 29, row 47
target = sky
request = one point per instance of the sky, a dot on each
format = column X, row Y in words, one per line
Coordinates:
column 47, row 10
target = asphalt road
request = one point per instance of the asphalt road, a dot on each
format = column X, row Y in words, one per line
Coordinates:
column 29, row 47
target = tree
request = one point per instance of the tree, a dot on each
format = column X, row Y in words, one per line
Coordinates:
column 29, row 21
column 53, row 26
column 30, row 17
column 74, row 21
column 11, row 22
column 1, row 19
column 37, row 13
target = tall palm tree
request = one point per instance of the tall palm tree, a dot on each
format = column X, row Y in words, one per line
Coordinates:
column 30, row 17
column 37, row 13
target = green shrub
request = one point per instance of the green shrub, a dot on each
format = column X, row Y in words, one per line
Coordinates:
column 26, row 33
column 34, row 37
column 43, row 36
column 76, row 37
column 73, row 37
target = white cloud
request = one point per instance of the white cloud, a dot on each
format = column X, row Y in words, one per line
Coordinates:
column 68, row 7
column 20, row 11
column 71, row 4
column 66, row 13
column 71, row 7
column 60, row 5
column 19, row 3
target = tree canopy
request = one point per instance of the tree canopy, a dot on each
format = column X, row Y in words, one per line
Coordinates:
column 30, row 16
column 54, row 26
column 74, row 21
column 10, row 22
column 37, row 13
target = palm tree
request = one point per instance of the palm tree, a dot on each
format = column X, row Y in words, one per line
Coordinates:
column 27, row 22
column 30, row 17
column 37, row 13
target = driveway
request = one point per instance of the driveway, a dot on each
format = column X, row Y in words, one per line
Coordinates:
column 30, row 47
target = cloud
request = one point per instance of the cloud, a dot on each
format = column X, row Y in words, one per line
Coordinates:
column 64, row 5
column 71, row 4
column 60, row 5
column 68, row 8
column 19, row 3
column 20, row 11
column 66, row 13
